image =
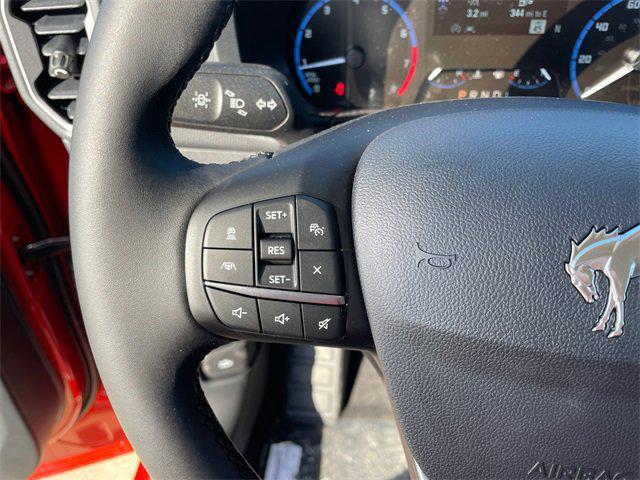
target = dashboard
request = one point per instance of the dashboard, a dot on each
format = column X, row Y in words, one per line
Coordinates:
column 283, row 69
column 358, row 55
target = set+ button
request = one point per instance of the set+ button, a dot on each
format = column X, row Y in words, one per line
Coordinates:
column 276, row 216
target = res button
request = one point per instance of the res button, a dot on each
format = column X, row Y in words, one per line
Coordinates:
column 276, row 250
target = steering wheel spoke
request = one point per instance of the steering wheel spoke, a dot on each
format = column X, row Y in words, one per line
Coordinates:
column 270, row 257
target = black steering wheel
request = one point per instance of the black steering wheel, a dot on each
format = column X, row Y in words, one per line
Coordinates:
column 453, row 224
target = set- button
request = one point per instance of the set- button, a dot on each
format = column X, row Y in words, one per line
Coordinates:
column 282, row 277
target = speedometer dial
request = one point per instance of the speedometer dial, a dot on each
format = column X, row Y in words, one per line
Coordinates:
column 358, row 53
column 606, row 57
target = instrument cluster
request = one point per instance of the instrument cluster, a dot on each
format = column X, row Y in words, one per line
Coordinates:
column 346, row 55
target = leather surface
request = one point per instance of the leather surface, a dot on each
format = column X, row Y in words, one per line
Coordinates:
column 491, row 363
column 131, row 195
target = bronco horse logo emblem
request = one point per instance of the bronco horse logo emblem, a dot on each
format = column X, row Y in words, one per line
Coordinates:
column 615, row 254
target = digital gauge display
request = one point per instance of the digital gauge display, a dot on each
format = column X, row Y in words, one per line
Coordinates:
column 497, row 17
column 350, row 57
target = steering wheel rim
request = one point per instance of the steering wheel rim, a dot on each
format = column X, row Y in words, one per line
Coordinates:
column 170, row 40
column 132, row 196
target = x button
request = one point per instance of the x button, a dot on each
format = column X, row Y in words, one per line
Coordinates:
column 321, row 272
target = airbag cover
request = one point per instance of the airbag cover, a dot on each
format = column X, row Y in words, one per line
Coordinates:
column 462, row 225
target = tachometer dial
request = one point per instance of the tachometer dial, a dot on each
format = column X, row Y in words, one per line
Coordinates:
column 606, row 57
column 360, row 54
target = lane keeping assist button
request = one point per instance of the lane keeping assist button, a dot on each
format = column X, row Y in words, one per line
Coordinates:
column 228, row 266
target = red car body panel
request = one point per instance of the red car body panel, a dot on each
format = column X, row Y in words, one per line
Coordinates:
column 86, row 429
column 95, row 437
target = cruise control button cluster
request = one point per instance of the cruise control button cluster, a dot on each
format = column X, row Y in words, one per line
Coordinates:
column 252, row 252
column 275, row 239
